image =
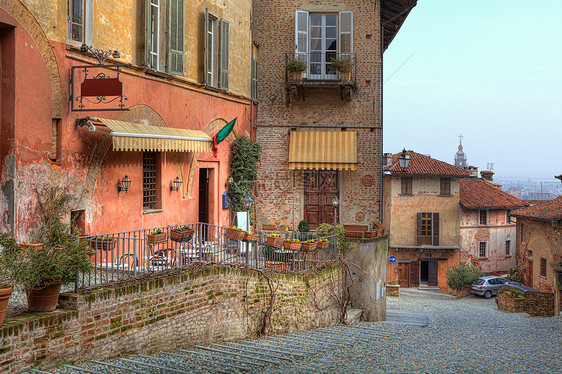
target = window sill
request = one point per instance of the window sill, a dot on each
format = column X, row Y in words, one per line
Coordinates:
column 443, row 195
column 150, row 211
column 482, row 258
column 157, row 73
column 542, row 276
column 508, row 256
column 406, row 194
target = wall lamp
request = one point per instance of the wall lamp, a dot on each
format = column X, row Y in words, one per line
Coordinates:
column 404, row 159
column 554, row 223
column 124, row 184
column 99, row 54
column 229, row 181
column 176, row 183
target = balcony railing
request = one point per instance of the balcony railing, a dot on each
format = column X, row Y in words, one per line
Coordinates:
column 321, row 68
column 124, row 255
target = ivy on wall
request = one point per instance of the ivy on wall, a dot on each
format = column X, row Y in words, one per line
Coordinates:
column 244, row 170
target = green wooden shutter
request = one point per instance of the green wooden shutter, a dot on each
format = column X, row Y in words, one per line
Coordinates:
column 176, row 44
column 206, row 52
column 223, row 55
column 147, row 35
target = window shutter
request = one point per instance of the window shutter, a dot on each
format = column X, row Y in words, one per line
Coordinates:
column 432, row 272
column 206, row 52
column 414, row 273
column 223, row 55
column 435, row 226
column 419, row 225
column 404, row 187
column 346, row 33
column 301, row 34
column 176, row 43
column 147, row 34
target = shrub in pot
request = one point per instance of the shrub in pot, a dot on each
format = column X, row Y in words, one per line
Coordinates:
column 58, row 262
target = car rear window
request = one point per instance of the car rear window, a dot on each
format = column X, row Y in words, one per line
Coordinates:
column 479, row 281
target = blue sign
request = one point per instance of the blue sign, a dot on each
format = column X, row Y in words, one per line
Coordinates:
column 226, row 200
column 392, row 259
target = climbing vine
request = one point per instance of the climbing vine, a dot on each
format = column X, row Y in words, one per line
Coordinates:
column 244, row 171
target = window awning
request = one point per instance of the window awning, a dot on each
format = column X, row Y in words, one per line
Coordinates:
column 128, row 136
column 328, row 150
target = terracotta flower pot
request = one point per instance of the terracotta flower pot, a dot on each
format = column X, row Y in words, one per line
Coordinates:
column 104, row 245
column 322, row 245
column 292, row 245
column 5, row 294
column 178, row 235
column 274, row 241
column 157, row 238
column 309, row 247
column 270, row 227
column 250, row 237
column 43, row 298
column 235, row 234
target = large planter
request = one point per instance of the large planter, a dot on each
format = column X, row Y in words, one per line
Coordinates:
column 345, row 76
column 104, row 245
column 354, row 234
column 295, row 76
column 250, row 237
column 184, row 235
column 276, row 242
column 371, row 234
column 235, row 234
column 5, row 294
column 292, row 245
column 157, row 238
column 43, row 298
column 309, row 247
column 322, row 244
column 270, row 227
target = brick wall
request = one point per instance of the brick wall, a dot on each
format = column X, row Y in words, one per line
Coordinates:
column 321, row 110
column 168, row 313
column 534, row 303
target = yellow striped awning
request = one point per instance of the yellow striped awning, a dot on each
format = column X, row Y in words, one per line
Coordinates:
column 128, row 136
column 328, row 150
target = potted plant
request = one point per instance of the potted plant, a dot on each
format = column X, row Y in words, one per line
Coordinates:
column 292, row 244
column 6, row 287
column 104, row 243
column 343, row 65
column 249, row 236
column 322, row 243
column 309, row 245
column 156, row 236
column 235, row 233
column 296, row 68
column 274, row 240
column 181, row 233
column 40, row 272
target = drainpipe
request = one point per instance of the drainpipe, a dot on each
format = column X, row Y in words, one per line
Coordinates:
column 381, row 92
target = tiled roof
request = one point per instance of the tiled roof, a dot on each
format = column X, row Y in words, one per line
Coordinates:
column 421, row 165
column 479, row 194
column 545, row 211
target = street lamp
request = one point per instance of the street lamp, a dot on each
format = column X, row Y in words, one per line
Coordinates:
column 124, row 184
column 335, row 204
column 404, row 159
column 248, row 205
column 176, row 183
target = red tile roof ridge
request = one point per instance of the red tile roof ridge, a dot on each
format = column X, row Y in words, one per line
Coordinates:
column 549, row 210
column 421, row 165
column 477, row 193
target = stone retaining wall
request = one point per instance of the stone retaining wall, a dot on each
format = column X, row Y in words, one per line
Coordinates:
column 169, row 312
column 534, row 303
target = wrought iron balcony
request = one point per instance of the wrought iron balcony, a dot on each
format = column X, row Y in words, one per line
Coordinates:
column 321, row 68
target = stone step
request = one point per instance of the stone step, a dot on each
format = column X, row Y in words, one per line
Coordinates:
column 353, row 316
column 429, row 289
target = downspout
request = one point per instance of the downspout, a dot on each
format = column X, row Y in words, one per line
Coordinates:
column 381, row 103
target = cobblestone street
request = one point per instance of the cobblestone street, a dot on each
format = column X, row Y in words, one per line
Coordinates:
column 425, row 333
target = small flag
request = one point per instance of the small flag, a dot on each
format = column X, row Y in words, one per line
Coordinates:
column 221, row 135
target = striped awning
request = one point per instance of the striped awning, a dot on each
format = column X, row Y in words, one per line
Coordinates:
column 128, row 136
column 327, row 150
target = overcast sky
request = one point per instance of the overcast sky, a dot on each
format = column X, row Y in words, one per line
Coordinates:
column 490, row 70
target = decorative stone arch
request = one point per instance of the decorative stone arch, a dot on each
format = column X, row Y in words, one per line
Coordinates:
column 20, row 12
column 138, row 113
column 538, row 236
column 211, row 127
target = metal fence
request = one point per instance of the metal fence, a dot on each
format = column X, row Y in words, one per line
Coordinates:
column 129, row 254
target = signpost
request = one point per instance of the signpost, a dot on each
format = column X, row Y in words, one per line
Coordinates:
column 392, row 260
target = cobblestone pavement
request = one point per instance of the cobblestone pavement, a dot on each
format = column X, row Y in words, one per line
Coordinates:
column 425, row 333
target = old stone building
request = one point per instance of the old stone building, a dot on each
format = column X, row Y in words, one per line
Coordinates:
column 486, row 229
column 421, row 201
column 321, row 132
column 187, row 72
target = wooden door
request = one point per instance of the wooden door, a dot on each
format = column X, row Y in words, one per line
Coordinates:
column 204, row 195
column 320, row 188
column 414, row 273
column 432, row 272
column 404, row 274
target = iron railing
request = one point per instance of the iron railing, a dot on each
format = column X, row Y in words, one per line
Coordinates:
column 319, row 67
column 129, row 254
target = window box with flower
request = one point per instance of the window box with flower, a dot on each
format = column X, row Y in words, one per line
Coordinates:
column 309, row 245
column 181, row 233
column 292, row 244
column 275, row 240
column 235, row 233
column 157, row 236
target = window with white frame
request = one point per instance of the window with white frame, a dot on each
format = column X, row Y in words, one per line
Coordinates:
column 80, row 22
column 482, row 249
column 216, row 51
column 164, row 36
column 508, row 247
column 321, row 38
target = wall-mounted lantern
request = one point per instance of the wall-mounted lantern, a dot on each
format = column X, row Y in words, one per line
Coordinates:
column 124, row 184
column 404, row 159
column 229, row 181
column 176, row 183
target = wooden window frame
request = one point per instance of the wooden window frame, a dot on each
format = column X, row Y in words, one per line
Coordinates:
column 484, row 246
column 72, row 23
column 508, row 248
column 151, row 182
column 406, row 186
column 445, row 187
column 427, row 229
column 212, row 44
column 483, row 213
column 543, row 267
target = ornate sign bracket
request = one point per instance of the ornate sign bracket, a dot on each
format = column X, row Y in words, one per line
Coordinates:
column 97, row 92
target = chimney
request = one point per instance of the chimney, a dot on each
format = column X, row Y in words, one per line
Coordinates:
column 487, row 175
column 386, row 159
column 473, row 171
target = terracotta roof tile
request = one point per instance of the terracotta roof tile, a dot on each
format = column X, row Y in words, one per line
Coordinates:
column 421, row 165
column 479, row 194
column 546, row 211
